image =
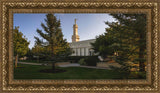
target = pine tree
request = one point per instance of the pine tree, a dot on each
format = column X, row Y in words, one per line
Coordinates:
column 137, row 23
column 53, row 36
column 127, row 38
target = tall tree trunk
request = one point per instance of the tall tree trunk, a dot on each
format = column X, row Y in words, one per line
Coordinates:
column 16, row 60
column 52, row 55
column 53, row 66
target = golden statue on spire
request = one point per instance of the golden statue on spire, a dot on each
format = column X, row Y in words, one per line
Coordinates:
column 75, row 20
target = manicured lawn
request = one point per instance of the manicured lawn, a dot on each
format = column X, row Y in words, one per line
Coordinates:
column 31, row 61
column 33, row 72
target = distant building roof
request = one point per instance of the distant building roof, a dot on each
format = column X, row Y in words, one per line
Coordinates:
column 84, row 43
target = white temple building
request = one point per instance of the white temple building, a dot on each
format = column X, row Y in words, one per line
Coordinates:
column 80, row 48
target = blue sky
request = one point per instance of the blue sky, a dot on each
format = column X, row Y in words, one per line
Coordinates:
column 89, row 25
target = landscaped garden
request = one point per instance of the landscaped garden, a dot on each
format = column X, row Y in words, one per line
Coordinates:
column 122, row 44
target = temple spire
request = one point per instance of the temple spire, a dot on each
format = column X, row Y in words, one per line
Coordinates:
column 75, row 36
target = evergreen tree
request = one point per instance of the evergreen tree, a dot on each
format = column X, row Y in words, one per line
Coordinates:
column 20, row 44
column 136, row 23
column 126, row 38
column 54, row 43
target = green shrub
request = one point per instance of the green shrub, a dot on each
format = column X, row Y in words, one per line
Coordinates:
column 91, row 60
column 82, row 61
column 75, row 59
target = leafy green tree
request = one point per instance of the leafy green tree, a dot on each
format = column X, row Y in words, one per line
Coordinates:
column 20, row 44
column 54, row 43
column 39, row 51
column 38, row 48
column 29, row 54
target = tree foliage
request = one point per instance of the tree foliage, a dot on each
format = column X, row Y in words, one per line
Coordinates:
column 125, row 39
column 137, row 24
column 55, row 44
column 51, row 42
column 20, row 44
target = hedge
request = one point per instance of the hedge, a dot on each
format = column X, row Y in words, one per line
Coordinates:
column 91, row 60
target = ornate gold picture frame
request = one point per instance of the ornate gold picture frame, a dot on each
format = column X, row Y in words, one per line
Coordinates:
column 9, row 7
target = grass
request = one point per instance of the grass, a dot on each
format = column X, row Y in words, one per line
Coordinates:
column 33, row 72
column 32, row 61
column 36, row 61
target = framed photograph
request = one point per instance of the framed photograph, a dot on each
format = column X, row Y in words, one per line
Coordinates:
column 79, row 46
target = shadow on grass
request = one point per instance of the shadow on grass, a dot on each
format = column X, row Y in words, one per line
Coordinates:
column 19, row 67
column 52, row 71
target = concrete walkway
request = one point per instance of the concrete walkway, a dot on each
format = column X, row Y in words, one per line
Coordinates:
column 78, row 65
column 30, row 63
column 95, row 67
column 68, row 65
